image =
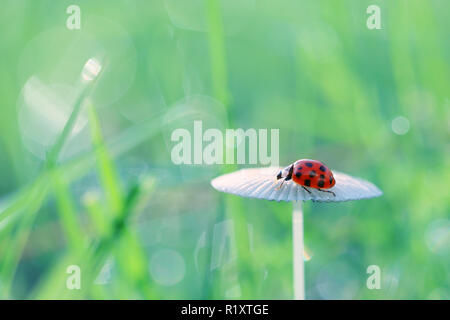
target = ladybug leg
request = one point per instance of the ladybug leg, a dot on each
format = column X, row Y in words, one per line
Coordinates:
column 306, row 189
column 279, row 187
column 327, row 191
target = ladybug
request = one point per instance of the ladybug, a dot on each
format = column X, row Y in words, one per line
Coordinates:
column 308, row 173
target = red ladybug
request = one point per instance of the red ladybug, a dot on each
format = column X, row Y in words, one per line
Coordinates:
column 308, row 173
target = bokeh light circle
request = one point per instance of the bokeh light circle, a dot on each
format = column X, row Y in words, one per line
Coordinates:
column 167, row 267
column 400, row 125
column 43, row 110
column 437, row 236
column 58, row 55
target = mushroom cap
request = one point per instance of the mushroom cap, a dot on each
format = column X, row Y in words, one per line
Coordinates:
column 262, row 183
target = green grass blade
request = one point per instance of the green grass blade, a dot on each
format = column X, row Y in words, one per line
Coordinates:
column 67, row 213
column 108, row 174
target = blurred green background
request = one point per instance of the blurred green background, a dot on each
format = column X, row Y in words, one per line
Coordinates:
column 104, row 195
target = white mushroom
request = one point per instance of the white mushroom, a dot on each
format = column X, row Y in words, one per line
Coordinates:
column 262, row 183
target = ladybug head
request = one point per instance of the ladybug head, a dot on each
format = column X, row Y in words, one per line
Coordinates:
column 285, row 173
column 280, row 175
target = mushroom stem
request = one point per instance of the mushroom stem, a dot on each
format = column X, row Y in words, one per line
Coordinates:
column 297, row 245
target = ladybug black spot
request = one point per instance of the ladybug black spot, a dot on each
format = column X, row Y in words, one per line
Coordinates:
column 312, row 174
column 307, row 182
column 323, row 169
column 309, row 164
column 321, row 183
column 322, row 176
column 300, row 168
column 331, row 180
column 298, row 174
